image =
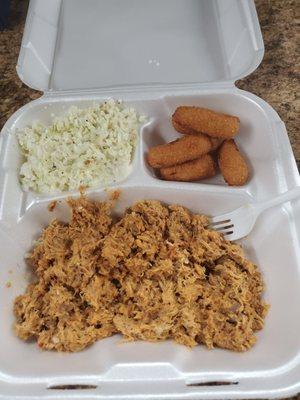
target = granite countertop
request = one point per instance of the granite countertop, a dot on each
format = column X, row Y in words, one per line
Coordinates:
column 276, row 80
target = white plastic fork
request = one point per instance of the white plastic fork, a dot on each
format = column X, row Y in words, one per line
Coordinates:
column 238, row 223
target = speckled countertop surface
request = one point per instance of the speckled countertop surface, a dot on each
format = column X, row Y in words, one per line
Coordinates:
column 277, row 79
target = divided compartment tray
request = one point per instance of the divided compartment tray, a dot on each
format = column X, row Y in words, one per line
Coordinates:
column 266, row 151
column 154, row 60
column 130, row 367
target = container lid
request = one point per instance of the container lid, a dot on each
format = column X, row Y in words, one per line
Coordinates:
column 91, row 44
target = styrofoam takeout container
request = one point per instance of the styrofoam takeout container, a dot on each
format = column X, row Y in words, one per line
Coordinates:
column 154, row 55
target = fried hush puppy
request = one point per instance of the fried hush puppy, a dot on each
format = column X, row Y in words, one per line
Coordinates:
column 206, row 133
column 201, row 120
column 232, row 164
column 201, row 168
column 179, row 151
column 186, row 131
column 181, row 129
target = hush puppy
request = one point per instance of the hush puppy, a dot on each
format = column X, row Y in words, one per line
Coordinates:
column 201, row 168
column 179, row 151
column 232, row 164
column 201, row 120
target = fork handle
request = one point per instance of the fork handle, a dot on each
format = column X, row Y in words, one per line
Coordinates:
column 282, row 198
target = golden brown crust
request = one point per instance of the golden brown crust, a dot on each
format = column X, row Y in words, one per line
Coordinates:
column 216, row 143
column 181, row 129
column 201, row 168
column 202, row 120
column 232, row 164
column 179, row 151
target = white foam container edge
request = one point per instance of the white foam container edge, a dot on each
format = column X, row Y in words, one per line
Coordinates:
column 218, row 43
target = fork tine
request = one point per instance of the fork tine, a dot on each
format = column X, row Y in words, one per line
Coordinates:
column 229, row 233
column 222, row 221
column 224, row 228
column 220, row 218
column 234, row 224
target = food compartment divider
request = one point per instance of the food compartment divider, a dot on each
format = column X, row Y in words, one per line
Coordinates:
column 267, row 161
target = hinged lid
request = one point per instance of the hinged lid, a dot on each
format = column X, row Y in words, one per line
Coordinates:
column 75, row 44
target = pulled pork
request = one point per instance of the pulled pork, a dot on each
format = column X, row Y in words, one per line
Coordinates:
column 156, row 273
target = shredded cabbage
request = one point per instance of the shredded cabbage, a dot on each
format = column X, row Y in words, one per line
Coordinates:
column 86, row 147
